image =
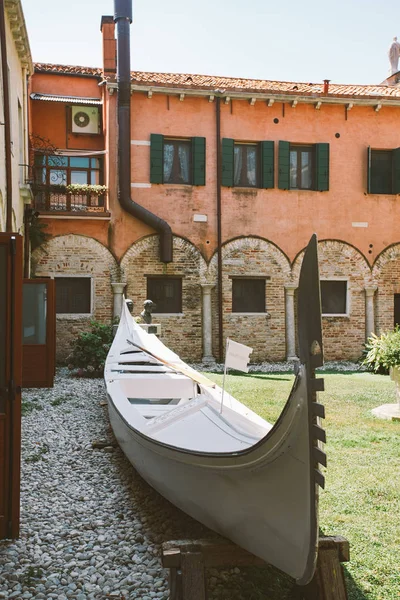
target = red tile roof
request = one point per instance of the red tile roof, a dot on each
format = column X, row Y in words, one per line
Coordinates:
column 225, row 85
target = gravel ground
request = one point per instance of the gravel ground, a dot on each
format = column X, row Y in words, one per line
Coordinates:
column 91, row 528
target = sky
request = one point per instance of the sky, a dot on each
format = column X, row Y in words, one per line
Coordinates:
column 345, row 41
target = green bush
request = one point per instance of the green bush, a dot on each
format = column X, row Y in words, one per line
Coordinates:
column 383, row 352
column 90, row 350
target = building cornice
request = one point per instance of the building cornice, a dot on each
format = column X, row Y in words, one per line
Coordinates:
column 16, row 20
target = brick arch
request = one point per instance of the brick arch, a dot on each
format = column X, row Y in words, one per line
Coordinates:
column 343, row 336
column 341, row 253
column 180, row 332
column 386, row 273
column 253, row 257
column 250, row 245
column 77, row 255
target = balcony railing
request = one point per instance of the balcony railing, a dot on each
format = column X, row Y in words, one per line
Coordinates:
column 49, row 198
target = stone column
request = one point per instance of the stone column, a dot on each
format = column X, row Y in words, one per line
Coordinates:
column 207, row 322
column 118, row 291
column 369, row 311
column 290, row 324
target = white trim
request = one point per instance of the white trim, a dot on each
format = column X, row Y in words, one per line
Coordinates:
column 359, row 224
column 200, row 218
column 347, row 313
column 140, row 143
column 141, row 185
column 155, row 314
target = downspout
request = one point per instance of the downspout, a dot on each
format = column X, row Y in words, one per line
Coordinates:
column 219, row 229
column 7, row 124
column 123, row 19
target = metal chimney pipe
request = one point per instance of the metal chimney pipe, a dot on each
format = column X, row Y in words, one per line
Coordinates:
column 123, row 19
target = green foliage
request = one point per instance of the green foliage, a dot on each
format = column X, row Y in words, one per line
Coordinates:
column 90, row 350
column 37, row 233
column 383, row 352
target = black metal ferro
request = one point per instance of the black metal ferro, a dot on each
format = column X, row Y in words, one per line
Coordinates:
column 123, row 19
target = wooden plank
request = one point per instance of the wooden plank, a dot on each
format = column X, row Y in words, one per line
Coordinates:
column 193, row 581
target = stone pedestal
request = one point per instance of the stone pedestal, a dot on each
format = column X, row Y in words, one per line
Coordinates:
column 369, row 311
column 290, row 323
column 207, row 323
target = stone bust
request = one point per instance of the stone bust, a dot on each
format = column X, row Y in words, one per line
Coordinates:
column 148, row 307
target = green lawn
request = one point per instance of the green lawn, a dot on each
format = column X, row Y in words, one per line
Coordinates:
column 362, row 496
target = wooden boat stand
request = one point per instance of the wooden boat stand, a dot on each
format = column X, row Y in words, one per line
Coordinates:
column 187, row 559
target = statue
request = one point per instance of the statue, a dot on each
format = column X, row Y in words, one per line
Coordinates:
column 147, row 310
column 394, row 53
column 129, row 304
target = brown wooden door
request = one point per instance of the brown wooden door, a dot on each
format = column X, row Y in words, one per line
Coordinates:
column 10, row 382
column 38, row 332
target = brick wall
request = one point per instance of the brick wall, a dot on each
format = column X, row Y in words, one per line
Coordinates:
column 182, row 333
column 343, row 337
column 387, row 272
column 254, row 257
column 70, row 255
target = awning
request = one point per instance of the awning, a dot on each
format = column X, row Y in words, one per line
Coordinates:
column 69, row 99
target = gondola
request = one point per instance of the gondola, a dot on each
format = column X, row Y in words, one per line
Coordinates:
column 252, row 482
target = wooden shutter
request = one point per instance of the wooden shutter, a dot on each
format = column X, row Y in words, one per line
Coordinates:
column 369, row 169
column 227, row 162
column 284, row 166
column 396, row 171
column 267, row 165
column 322, row 167
column 199, row 160
column 156, row 158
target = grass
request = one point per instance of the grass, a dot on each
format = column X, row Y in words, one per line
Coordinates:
column 29, row 406
column 362, row 496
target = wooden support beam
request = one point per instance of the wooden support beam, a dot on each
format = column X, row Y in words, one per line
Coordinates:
column 187, row 560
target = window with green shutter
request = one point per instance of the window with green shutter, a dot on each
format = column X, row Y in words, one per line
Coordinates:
column 383, row 171
column 177, row 161
column 247, row 164
column 303, row 167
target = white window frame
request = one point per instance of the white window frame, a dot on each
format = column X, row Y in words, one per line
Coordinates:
column 73, row 316
column 347, row 313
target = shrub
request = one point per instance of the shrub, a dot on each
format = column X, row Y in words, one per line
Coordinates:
column 383, row 352
column 90, row 350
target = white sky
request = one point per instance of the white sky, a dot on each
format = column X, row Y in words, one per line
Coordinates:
column 291, row 40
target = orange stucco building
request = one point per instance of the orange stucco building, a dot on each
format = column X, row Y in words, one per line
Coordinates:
column 242, row 172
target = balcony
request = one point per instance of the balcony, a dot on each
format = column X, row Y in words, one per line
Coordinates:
column 72, row 200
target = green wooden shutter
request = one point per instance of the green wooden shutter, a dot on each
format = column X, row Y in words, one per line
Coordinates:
column 322, row 167
column 156, row 158
column 227, row 162
column 267, row 165
column 284, row 166
column 396, row 170
column 369, row 170
column 199, row 160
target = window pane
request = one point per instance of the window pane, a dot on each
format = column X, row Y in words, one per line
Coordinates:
column 95, row 177
column 34, row 306
column 306, row 172
column 333, row 297
column 95, row 163
column 40, row 175
column 293, row 169
column 57, row 161
column 381, row 172
column 73, row 295
column 79, row 161
column 166, row 293
column 248, row 295
column 58, row 177
column 177, row 161
column 245, row 165
column 80, row 177
column 40, row 159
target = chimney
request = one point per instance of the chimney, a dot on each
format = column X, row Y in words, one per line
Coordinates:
column 326, row 86
column 107, row 28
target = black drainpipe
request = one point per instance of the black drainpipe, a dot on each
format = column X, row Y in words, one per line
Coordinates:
column 7, row 120
column 123, row 19
column 219, row 229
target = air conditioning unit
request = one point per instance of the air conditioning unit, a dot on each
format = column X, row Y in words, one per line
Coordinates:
column 85, row 119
